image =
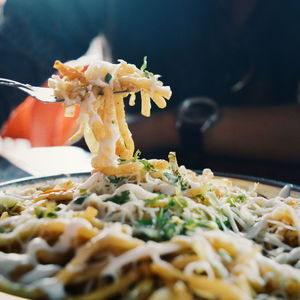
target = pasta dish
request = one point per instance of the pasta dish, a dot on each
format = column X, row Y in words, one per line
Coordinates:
column 142, row 228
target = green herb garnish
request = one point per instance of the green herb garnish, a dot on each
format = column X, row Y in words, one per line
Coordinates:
column 135, row 158
column 39, row 212
column 144, row 67
column 50, row 214
column 145, row 222
column 168, row 223
column 146, row 232
column 120, row 199
column 171, row 178
column 177, row 179
column 148, row 167
column 145, row 64
column 200, row 197
column 107, row 78
column 153, row 201
column 191, row 224
column 226, row 224
column 184, row 185
column 137, row 154
column 180, row 202
column 233, row 199
column 45, row 212
column 79, row 200
column 117, row 180
column 241, row 197
column 123, row 160
column 161, row 228
column 11, row 205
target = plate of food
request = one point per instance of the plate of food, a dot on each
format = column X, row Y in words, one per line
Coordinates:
column 139, row 228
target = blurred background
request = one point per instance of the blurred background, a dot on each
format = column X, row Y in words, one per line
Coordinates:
column 244, row 56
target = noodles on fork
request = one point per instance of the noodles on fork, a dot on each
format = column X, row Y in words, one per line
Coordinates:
column 101, row 89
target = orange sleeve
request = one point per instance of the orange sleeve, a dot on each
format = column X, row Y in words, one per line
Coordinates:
column 42, row 124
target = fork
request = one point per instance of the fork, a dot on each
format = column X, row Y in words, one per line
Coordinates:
column 42, row 94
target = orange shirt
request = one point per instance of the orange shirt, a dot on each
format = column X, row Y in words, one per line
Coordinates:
column 42, row 124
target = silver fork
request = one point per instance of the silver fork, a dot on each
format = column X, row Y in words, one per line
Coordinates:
column 42, row 94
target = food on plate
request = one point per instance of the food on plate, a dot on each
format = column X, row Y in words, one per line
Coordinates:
column 142, row 228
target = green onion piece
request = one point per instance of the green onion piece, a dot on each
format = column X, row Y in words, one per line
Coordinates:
column 148, row 167
column 171, row 178
column 137, row 154
column 120, row 199
column 107, row 78
column 145, row 64
column 80, row 199
column 117, row 180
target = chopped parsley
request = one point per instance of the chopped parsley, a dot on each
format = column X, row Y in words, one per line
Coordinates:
column 144, row 67
column 154, row 200
column 107, row 78
column 117, row 180
column 135, row 158
column 184, row 185
column 163, row 223
column 158, row 229
column 137, row 154
column 146, row 231
column 177, row 204
column 191, row 224
column 45, row 212
column 10, row 205
column 120, row 199
column 145, row 64
column 79, row 200
column 145, row 222
column 171, row 178
column 148, row 167
column 176, row 177
column 177, row 180
column 167, row 225
column 123, row 161
column 200, row 197
column 241, row 197
column 226, row 224
column 51, row 214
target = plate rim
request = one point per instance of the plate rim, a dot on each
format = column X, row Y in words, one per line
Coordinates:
column 249, row 178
